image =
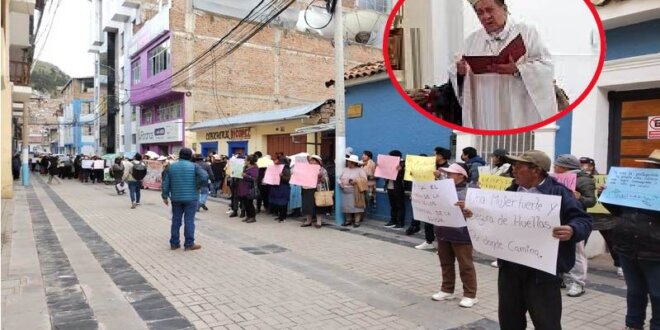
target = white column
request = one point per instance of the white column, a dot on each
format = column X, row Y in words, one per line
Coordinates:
column 544, row 139
column 590, row 131
column 446, row 23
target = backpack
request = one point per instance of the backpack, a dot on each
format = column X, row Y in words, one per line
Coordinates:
column 139, row 171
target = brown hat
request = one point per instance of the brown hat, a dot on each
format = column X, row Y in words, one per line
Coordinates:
column 654, row 158
column 536, row 157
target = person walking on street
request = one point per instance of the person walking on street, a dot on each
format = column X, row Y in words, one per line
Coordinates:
column 181, row 184
column 204, row 189
column 16, row 166
column 637, row 237
column 134, row 172
column 53, row 170
column 218, row 170
column 117, row 171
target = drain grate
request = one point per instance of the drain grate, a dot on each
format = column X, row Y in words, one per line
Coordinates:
column 265, row 249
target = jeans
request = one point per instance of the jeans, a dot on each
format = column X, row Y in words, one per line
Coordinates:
column 519, row 292
column 642, row 282
column 134, row 190
column 215, row 186
column 185, row 210
column 203, row 194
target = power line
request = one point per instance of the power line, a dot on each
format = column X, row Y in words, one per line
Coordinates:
column 45, row 41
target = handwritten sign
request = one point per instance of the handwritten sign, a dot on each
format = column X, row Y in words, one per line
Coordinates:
column 272, row 176
column 264, row 162
column 419, row 168
column 494, row 182
column 386, row 167
column 434, row 203
column 633, row 187
column 567, row 179
column 99, row 164
column 515, row 226
column 86, row 163
column 305, row 175
column 236, row 166
column 599, row 180
column 154, row 177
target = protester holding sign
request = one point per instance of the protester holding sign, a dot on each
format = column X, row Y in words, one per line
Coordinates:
column 637, row 237
column 396, row 192
column 310, row 209
column 353, row 183
column 279, row 194
column 522, row 288
column 585, row 193
column 454, row 245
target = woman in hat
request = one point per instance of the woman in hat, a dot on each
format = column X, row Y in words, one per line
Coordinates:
column 637, row 237
column 351, row 180
column 454, row 244
column 309, row 208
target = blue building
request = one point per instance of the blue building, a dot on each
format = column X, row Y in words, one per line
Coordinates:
column 77, row 125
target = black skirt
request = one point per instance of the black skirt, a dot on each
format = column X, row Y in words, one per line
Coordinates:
column 309, row 205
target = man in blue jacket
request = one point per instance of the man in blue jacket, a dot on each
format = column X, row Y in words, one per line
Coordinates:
column 181, row 183
column 523, row 289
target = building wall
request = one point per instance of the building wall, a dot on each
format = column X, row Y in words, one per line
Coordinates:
column 646, row 40
column 388, row 123
column 6, row 131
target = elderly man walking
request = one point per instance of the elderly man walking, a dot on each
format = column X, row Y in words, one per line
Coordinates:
column 181, row 183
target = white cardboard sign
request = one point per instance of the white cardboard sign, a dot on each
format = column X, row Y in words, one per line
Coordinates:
column 434, row 203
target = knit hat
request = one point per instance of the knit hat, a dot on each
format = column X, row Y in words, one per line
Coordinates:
column 568, row 162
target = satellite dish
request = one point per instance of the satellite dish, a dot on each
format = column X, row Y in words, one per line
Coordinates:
column 361, row 26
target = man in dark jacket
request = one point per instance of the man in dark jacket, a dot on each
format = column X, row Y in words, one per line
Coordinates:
column 218, row 170
column 204, row 189
column 637, row 243
column 523, row 289
column 396, row 192
column 472, row 161
column 181, row 184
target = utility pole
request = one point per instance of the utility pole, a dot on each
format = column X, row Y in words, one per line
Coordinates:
column 26, row 144
column 340, row 130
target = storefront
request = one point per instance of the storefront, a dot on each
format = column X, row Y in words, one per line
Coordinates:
column 270, row 132
column 163, row 138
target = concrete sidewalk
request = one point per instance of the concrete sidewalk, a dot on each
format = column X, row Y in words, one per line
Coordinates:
column 265, row 275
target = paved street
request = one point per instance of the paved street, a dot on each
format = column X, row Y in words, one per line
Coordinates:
column 80, row 258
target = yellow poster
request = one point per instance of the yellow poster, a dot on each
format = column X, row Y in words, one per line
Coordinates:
column 419, row 168
column 264, row 162
column 494, row 182
column 599, row 180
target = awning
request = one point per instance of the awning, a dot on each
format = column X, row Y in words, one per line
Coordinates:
column 315, row 128
column 301, row 111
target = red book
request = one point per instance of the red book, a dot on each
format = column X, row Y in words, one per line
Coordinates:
column 482, row 64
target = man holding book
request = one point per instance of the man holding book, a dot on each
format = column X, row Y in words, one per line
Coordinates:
column 505, row 77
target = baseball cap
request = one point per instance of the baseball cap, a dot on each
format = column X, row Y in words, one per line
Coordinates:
column 536, row 157
column 587, row 160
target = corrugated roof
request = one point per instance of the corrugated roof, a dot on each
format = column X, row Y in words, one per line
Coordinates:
column 258, row 117
column 361, row 71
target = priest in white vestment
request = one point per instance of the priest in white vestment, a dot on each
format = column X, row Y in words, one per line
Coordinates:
column 516, row 94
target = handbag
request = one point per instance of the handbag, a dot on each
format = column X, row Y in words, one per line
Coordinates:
column 254, row 192
column 324, row 197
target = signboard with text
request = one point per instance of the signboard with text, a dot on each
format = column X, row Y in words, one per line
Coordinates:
column 653, row 128
column 169, row 131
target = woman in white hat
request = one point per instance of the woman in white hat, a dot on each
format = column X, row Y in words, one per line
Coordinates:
column 352, row 204
column 309, row 209
column 454, row 244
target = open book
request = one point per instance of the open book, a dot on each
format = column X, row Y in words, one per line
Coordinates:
column 483, row 64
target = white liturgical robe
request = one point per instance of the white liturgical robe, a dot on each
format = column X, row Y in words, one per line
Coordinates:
column 496, row 101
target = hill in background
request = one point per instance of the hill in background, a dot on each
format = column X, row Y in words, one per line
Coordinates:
column 47, row 77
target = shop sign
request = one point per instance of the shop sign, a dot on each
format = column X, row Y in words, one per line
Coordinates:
column 653, row 128
column 171, row 131
column 230, row 134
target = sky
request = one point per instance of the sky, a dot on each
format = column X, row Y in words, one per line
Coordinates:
column 69, row 37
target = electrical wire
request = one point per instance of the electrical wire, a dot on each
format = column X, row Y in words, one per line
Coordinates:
column 332, row 15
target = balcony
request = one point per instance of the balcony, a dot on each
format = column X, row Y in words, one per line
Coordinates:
column 135, row 4
column 19, row 73
column 122, row 14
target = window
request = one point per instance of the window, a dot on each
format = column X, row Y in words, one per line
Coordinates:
column 135, row 71
column 122, row 139
column 87, row 108
column 515, row 144
column 121, row 74
column 159, row 58
column 147, row 116
column 168, row 112
column 381, row 6
column 133, row 112
column 87, row 130
column 133, row 138
column 121, row 41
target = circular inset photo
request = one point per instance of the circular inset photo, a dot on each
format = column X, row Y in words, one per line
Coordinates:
column 494, row 66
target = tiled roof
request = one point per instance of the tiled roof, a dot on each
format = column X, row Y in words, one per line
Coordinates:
column 361, row 71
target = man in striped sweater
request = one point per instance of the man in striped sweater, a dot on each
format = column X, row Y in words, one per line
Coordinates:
column 181, row 183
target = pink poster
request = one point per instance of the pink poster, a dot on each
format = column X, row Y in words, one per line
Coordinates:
column 272, row 176
column 386, row 167
column 305, row 175
column 567, row 179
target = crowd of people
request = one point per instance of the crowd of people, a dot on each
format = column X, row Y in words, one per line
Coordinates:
column 632, row 237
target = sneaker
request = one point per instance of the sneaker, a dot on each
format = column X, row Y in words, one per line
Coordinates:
column 233, row 215
column 133, row 205
column 204, row 207
column 425, row 246
column 390, row 224
column 468, row 302
column 575, row 290
column 229, row 212
column 440, row 296
column 193, row 247
column 619, row 272
column 412, row 230
column 398, row 227
column 494, row 264
column 250, row 220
